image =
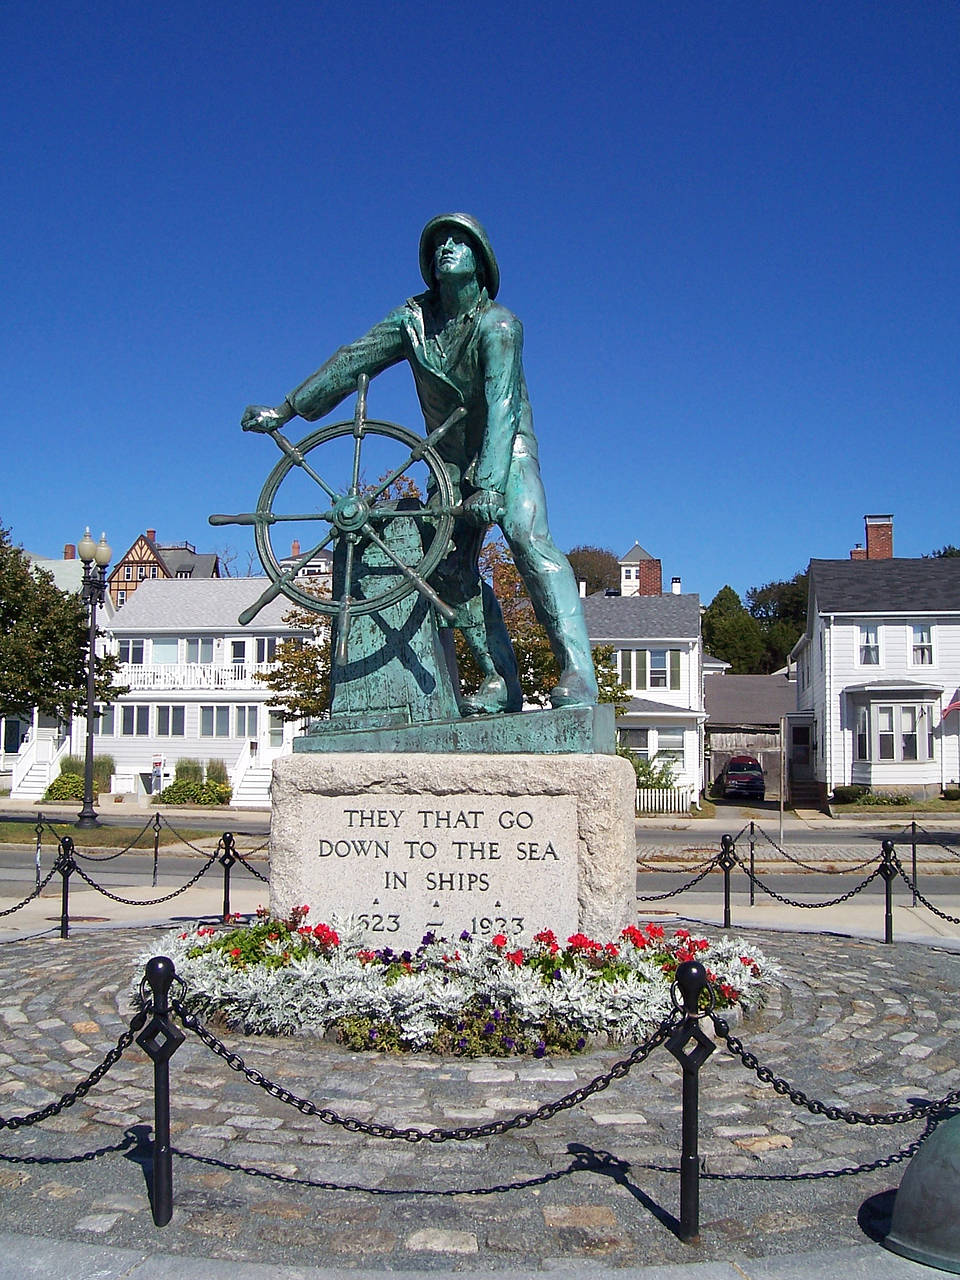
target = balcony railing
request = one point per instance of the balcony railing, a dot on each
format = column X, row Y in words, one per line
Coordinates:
column 190, row 675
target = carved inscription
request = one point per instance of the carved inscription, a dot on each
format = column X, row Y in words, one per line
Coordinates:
column 405, row 866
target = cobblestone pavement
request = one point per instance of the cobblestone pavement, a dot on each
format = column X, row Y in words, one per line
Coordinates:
column 857, row 1023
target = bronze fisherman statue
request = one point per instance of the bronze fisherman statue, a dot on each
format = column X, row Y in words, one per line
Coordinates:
column 465, row 349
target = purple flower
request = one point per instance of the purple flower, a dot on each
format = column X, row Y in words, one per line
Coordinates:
column 373, row 1033
column 497, row 1015
column 465, row 936
column 428, row 938
column 540, row 1049
column 489, row 1028
column 581, row 1042
column 508, row 1042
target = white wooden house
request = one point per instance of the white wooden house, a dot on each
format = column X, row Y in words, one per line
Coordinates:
column 878, row 675
column 657, row 652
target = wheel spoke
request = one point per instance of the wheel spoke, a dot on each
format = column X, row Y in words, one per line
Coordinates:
column 297, row 458
column 346, row 600
column 359, row 423
column 276, row 587
column 416, row 454
column 411, row 575
column 423, row 513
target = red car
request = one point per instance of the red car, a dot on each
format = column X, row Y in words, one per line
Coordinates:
column 743, row 776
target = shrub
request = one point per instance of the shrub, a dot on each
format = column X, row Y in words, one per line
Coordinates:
column 104, row 768
column 877, row 798
column 183, row 791
column 69, row 786
column 187, row 770
column 217, row 771
column 951, row 792
column 649, row 773
column 849, row 795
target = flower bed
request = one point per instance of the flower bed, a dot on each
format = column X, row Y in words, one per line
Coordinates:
column 470, row 996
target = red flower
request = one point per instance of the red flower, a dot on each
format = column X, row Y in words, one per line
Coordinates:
column 634, row 935
column 499, row 940
column 654, row 930
column 684, row 953
column 682, row 933
column 366, row 956
column 731, row 993
column 515, row 957
column 580, row 942
column 236, row 952
column 611, row 949
column 326, row 936
column 546, row 936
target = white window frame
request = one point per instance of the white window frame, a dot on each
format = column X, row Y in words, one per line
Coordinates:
column 131, row 652
column 137, row 716
column 868, row 645
column 215, row 721
column 169, row 716
column 905, row 720
column 921, row 645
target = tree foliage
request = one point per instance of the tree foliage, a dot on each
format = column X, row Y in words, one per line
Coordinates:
column 757, row 637
column 947, row 552
column 598, row 567
column 299, row 679
column 43, row 642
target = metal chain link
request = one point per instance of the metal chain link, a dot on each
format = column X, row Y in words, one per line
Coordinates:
column 30, row 897
column 938, row 844
column 913, row 889
column 137, row 1023
column 675, row 871
column 672, row 893
column 253, row 870
column 807, row 866
column 801, row 1099
column 808, row 906
column 522, row 1120
column 145, row 902
column 183, row 840
column 108, row 857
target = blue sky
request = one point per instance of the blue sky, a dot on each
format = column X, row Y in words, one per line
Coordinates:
column 730, row 230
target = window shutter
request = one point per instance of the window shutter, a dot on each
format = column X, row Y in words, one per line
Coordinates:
column 674, row 668
column 641, row 668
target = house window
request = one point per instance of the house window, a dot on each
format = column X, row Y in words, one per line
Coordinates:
column 922, row 647
column 238, row 652
column 214, row 722
column 246, row 722
column 127, row 572
column 266, row 648
column 103, row 724
column 135, row 721
column 184, row 573
column 670, row 744
column 121, row 597
column 131, row 651
column 170, row 722
column 869, row 645
column 894, row 732
column 141, row 572
column 662, row 669
column 154, row 571
column 199, row 650
column 625, row 668
column 276, row 729
column 638, row 741
column 165, row 650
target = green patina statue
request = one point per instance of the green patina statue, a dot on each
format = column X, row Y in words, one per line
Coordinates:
column 465, row 350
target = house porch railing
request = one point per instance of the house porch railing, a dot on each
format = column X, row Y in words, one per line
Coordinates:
column 164, row 676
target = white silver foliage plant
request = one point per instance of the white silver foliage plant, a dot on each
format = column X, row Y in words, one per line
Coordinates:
column 471, row 994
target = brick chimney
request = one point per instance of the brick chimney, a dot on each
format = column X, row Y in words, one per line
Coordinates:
column 152, row 535
column 69, row 551
column 879, row 537
column 858, row 552
column 295, row 547
column 650, row 578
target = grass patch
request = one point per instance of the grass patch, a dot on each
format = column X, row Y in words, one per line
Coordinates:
column 937, row 805
column 23, row 832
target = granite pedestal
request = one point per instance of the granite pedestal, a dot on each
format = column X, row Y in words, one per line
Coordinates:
column 422, row 842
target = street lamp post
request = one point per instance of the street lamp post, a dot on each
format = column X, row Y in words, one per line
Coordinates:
column 95, row 557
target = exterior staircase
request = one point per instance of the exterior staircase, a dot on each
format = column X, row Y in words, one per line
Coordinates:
column 806, row 795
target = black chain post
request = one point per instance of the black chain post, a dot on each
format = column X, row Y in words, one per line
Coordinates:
column 160, row 1039
column 888, row 870
column 691, row 980
column 727, row 861
column 38, row 829
column 753, row 865
column 66, row 865
column 156, row 847
column 227, row 859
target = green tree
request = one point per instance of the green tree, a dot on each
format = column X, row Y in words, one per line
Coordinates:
column 43, row 642
column 731, row 632
column 598, row 567
column 947, row 552
column 781, row 610
column 299, row 679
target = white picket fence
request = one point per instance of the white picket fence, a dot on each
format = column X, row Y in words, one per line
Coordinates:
column 664, row 799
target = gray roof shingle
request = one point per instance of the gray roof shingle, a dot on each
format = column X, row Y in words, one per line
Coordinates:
column 663, row 617
column 886, row 586
column 199, row 604
column 748, row 700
